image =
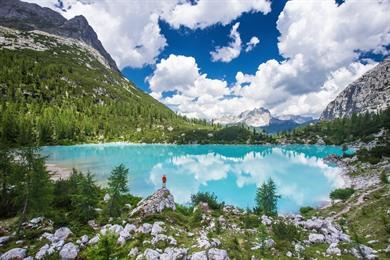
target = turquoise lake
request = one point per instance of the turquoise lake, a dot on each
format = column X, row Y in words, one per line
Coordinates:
column 232, row 172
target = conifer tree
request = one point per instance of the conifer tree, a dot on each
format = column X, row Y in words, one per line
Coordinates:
column 267, row 198
column 117, row 185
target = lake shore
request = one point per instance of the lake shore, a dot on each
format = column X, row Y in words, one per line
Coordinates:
column 58, row 172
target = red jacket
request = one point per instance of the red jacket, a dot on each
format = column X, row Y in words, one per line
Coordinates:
column 164, row 179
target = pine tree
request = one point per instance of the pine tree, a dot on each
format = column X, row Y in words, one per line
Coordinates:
column 84, row 198
column 117, row 185
column 33, row 185
column 267, row 199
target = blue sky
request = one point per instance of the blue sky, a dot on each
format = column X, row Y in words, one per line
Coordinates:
column 198, row 43
column 191, row 55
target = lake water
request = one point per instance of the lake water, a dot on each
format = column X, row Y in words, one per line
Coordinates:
column 232, row 172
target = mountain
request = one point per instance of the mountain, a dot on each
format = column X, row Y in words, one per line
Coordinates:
column 28, row 17
column 261, row 118
column 369, row 93
column 59, row 86
column 257, row 117
column 296, row 118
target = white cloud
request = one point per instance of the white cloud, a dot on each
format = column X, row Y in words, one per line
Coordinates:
column 204, row 13
column 130, row 32
column 230, row 52
column 252, row 43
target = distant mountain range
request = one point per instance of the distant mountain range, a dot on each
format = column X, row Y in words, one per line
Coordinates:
column 261, row 118
column 369, row 93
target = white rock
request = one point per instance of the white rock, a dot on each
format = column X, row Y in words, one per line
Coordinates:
column 106, row 197
column 298, row 248
column 43, row 252
column 94, row 240
column 289, row 254
column 84, row 239
column 333, row 250
column 266, row 220
column 217, row 254
column 215, row 242
column 316, row 238
column 15, row 253
column 69, row 251
column 162, row 199
column 199, row 256
column 174, row 253
column 62, row 233
column 162, row 237
column 156, row 228
column 116, row 229
column 48, row 236
column 121, row 241
column 37, row 220
column 313, row 223
column 151, row 254
column 145, row 228
column 131, row 228
column 268, row 243
column 4, row 239
column 134, row 251
column 367, row 252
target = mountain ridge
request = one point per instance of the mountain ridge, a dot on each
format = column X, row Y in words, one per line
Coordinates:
column 369, row 93
column 28, row 17
column 261, row 118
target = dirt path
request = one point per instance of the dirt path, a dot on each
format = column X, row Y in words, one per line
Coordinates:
column 359, row 201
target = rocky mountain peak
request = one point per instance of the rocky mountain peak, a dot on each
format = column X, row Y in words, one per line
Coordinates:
column 369, row 93
column 26, row 16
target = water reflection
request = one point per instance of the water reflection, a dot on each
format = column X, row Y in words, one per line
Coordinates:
column 231, row 172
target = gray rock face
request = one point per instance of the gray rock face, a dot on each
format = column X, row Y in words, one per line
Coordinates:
column 62, row 233
column 156, row 203
column 69, row 252
column 15, row 253
column 26, row 16
column 369, row 93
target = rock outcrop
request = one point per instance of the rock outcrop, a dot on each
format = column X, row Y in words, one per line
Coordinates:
column 28, row 17
column 369, row 93
column 162, row 199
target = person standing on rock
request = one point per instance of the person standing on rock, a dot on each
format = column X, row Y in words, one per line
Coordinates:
column 164, row 181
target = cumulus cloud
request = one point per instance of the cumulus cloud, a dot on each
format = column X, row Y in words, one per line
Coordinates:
column 252, row 43
column 230, row 52
column 321, row 43
column 130, row 31
column 204, row 13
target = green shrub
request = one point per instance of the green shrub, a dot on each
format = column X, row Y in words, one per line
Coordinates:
column 106, row 248
column 286, row 231
column 251, row 221
column 209, row 198
column 342, row 194
column 306, row 210
column 384, row 178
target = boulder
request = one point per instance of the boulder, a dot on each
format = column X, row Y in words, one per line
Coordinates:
column 145, row 228
column 62, row 233
column 131, row 228
column 217, row 254
column 44, row 251
column 265, row 220
column 333, row 250
column 69, row 251
column 161, row 237
column 364, row 252
column 133, row 252
column 162, row 199
column 316, row 238
column 84, row 239
column 151, row 254
column 106, row 197
column 4, row 239
column 15, row 253
column 289, row 254
column 157, row 228
column 174, row 253
column 202, row 255
column 94, row 240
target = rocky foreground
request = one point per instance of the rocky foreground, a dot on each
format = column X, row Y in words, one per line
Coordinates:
column 157, row 229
